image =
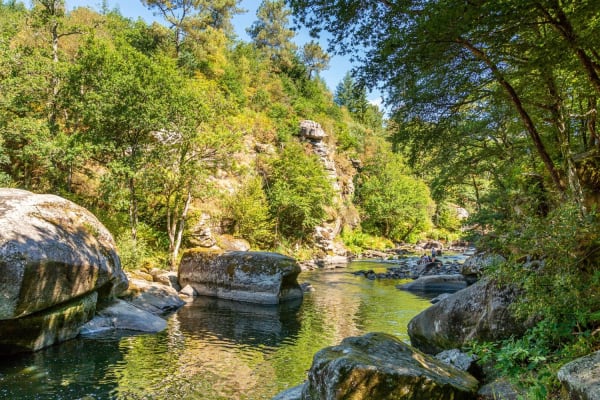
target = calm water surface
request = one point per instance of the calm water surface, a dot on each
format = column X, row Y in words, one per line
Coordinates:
column 215, row 349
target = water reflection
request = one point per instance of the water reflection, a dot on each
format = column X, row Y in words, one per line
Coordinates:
column 241, row 323
column 68, row 371
column 217, row 349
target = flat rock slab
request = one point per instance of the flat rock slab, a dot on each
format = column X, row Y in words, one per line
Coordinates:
column 153, row 297
column 436, row 284
column 122, row 315
column 380, row 366
column 248, row 276
column 581, row 377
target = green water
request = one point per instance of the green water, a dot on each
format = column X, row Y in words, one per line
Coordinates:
column 215, row 349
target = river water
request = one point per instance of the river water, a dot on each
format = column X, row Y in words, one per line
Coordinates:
column 215, row 349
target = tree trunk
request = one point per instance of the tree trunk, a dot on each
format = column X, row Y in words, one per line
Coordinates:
column 133, row 209
column 180, row 228
column 564, row 142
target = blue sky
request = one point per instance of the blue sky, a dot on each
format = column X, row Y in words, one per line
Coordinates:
column 134, row 9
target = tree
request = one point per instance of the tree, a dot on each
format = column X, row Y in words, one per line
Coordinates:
column 439, row 58
column 118, row 99
column 188, row 18
column 393, row 204
column 314, row 58
column 249, row 209
column 192, row 145
column 352, row 96
column 271, row 33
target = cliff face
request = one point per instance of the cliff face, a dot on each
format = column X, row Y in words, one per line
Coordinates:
column 333, row 251
column 211, row 227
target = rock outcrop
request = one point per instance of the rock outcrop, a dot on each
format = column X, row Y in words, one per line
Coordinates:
column 581, row 377
column 479, row 312
column 56, row 261
column 255, row 277
column 474, row 266
column 380, row 366
column 334, row 252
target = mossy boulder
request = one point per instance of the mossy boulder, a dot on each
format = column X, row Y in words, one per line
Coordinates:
column 52, row 251
column 581, row 377
column 481, row 312
column 249, row 276
column 56, row 262
column 47, row 327
column 380, row 366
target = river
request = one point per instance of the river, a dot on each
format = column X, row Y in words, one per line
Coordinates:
column 215, row 349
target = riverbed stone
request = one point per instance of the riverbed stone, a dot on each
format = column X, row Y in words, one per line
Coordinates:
column 380, row 366
column 479, row 312
column 121, row 315
column 473, row 267
column 294, row 393
column 249, row 276
column 581, row 377
column 153, row 297
column 44, row 328
column 51, row 252
column 435, row 284
column 500, row 389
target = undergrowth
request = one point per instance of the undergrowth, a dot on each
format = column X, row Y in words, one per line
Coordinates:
column 554, row 260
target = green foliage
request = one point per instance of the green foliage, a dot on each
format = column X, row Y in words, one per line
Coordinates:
column 272, row 34
column 357, row 241
column 249, row 210
column 553, row 259
column 143, row 252
column 394, row 204
column 298, row 191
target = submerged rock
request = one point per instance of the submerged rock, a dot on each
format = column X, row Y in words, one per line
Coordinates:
column 581, row 377
column 380, row 366
column 255, row 277
column 435, row 284
column 480, row 312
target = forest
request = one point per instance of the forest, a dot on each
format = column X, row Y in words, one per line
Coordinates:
column 155, row 127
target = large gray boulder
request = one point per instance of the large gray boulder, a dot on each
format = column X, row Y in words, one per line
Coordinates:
column 581, row 377
column 53, row 254
column 480, row 312
column 473, row 267
column 380, row 366
column 255, row 277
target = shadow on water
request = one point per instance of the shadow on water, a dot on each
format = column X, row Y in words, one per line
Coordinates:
column 242, row 323
column 66, row 371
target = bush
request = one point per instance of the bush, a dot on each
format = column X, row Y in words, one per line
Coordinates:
column 298, row 191
column 356, row 241
column 554, row 260
column 249, row 210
